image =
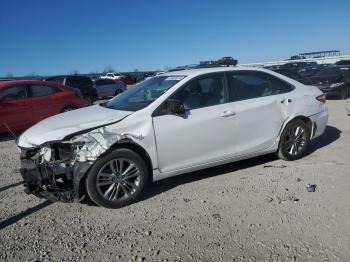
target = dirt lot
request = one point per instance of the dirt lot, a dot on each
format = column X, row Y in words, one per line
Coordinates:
column 253, row 210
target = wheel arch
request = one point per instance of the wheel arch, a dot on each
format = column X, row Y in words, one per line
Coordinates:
column 305, row 119
column 129, row 144
column 125, row 143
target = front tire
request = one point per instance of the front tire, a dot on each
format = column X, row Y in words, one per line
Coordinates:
column 118, row 179
column 294, row 141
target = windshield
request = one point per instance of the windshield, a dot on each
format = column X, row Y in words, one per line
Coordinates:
column 143, row 94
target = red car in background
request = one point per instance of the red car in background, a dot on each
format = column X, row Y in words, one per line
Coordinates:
column 25, row 102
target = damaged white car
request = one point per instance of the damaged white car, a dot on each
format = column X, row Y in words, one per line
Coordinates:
column 170, row 124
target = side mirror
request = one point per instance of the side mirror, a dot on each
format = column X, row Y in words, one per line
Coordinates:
column 175, row 107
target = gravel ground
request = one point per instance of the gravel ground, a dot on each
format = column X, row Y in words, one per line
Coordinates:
column 252, row 210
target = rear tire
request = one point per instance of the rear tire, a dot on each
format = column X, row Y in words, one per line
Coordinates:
column 118, row 179
column 294, row 141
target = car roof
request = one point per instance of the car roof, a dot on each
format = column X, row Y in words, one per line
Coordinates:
column 200, row 71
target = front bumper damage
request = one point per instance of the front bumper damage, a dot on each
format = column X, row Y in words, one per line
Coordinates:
column 56, row 180
column 55, row 170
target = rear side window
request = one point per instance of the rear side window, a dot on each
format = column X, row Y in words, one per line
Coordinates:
column 42, row 90
column 278, row 86
column 249, row 85
column 14, row 92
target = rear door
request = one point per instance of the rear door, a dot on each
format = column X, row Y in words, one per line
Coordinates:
column 262, row 103
column 15, row 108
column 45, row 101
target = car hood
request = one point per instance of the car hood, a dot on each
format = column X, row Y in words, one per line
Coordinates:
column 57, row 127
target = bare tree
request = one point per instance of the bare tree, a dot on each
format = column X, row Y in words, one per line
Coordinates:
column 109, row 69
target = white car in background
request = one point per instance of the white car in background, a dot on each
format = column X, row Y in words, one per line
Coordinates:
column 113, row 76
column 168, row 125
column 109, row 87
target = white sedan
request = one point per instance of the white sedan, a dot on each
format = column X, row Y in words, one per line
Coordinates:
column 169, row 125
column 114, row 76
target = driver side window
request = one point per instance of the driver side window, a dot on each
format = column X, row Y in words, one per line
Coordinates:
column 204, row 91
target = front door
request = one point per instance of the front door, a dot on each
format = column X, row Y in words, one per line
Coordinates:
column 207, row 131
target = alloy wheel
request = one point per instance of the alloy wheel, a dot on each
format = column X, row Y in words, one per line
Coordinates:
column 296, row 140
column 118, row 179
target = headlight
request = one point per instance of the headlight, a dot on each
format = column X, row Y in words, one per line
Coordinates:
column 336, row 84
column 89, row 146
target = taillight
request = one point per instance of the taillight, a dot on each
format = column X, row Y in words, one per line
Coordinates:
column 321, row 98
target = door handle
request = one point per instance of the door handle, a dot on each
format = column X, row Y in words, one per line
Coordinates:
column 286, row 101
column 227, row 113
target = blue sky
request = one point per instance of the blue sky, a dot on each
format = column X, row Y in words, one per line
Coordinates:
column 55, row 37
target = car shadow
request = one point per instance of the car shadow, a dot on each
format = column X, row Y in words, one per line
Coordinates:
column 10, row 186
column 14, row 219
column 330, row 135
column 169, row 183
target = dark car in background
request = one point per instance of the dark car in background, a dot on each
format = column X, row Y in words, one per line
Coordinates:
column 25, row 102
column 292, row 74
column 83, row 83
column 343, row 62
column 333, row 80
column 309, row 71
column 297, row 65
column 142, row 76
